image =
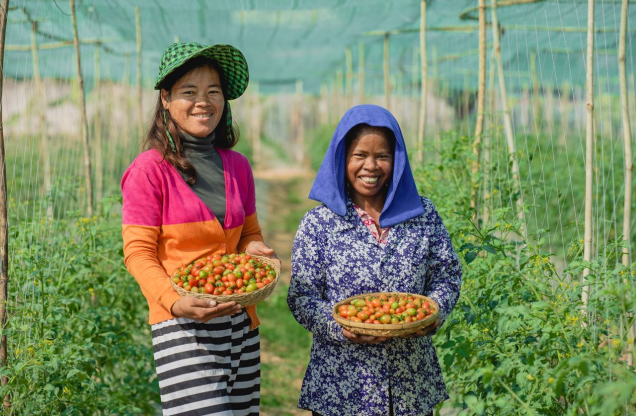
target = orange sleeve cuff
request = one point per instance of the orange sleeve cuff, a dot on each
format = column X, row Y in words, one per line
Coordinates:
column 251, row 311
column 251, row 232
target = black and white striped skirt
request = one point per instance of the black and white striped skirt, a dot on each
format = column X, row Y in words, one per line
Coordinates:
column 210, row 368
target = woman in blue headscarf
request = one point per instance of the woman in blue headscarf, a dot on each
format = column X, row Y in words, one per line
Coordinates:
column 372, row 233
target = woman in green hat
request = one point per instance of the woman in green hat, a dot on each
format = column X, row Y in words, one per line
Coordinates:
column 188, row 197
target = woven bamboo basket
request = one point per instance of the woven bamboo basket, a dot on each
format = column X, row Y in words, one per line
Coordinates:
column 385, row 330
column 243, row 299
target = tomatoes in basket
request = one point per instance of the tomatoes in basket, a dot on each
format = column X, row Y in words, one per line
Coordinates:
column 386, row 309
column 228, row 274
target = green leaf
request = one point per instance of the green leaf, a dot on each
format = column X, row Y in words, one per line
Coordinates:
column 470, row 256
column 490, row 249
column 449, row 359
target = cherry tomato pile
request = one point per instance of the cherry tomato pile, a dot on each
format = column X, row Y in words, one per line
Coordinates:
column 386, row 309
column 229, row 274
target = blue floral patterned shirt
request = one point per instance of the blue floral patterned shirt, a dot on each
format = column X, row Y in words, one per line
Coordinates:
column 335, row 257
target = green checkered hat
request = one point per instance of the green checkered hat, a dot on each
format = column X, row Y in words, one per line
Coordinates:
column 230, row 59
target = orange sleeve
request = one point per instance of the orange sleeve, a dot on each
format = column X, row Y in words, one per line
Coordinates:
column 251, row 232
column 140, row 257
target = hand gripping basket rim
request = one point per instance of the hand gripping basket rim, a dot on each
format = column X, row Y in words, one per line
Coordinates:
column 243, row 299
column 385, row 330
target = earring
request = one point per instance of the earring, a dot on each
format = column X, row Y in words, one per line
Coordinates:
column 165, row 123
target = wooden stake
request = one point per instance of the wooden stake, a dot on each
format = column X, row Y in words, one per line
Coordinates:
column 140, row 112
column 41, row 109
column 627, row 139
column 512, row 151
column 535, row 93
column 589, row 148
column 97, row 129
column 257, row 116
column 300, row 127
column 361, row 72
column 386, row 73
column 465, row 103
column 629, row 164
column 481, row 96
column 4, row 225
column 421, row 128
column 492, row 104
column 339, row 90
column 87, row 156
column 349, row 77
column 126, row 127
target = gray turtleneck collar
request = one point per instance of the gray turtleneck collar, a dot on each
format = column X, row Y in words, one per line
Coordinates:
column 210, row 184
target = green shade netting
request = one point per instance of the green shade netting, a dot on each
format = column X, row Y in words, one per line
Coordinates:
column 289, row 40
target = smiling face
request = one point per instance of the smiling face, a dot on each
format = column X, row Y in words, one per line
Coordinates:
column 369, row 165
column 196, row 101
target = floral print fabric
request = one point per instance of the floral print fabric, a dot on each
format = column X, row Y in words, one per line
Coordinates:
column 335, row 257
column 367, row 220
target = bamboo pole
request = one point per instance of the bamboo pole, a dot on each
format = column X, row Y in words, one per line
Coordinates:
column 257, row 116
column 339, row 95
column 41, row 109
column 97, row 130
column 57, row 45
column 535, row 92
column 126, row 126
column 629, row 164
column 627, row 139
column 349, row 92
column 87, row 157
column 467, row 14
column 421, row 128
column 323, row 106
column 300, row 132
column 361, row 71
column 491, row 93
column 481, row 96
column 512, row 151
column 472, row 29
column 438, row 94
column 589, row 148
column 386, row 73
column 140, row 113
column 465, row 104
column 4, row 225
column 331, row 103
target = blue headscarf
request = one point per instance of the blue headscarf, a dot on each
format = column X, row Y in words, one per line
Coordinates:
column 329, row 186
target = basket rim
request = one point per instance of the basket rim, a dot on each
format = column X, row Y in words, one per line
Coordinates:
column 240, row 298
column 383, row 327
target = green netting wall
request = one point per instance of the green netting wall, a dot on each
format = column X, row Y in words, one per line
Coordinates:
column 299, row 40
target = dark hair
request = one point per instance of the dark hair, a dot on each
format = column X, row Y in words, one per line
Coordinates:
column 156, row 138
column 359, row 130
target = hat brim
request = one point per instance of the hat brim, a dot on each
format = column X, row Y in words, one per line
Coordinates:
column 229, row 58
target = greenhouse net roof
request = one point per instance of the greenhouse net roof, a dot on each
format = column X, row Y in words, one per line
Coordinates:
column 289, row 40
